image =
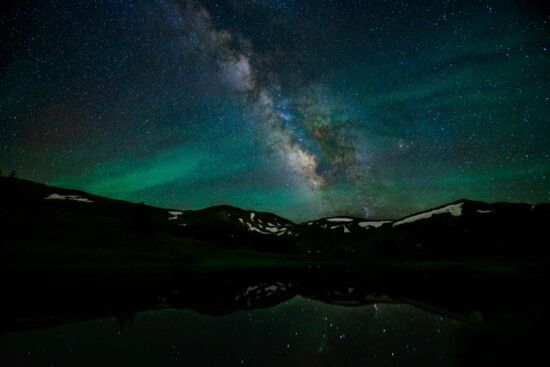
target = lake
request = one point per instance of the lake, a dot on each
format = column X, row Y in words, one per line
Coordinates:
column 299, row 332
column 254, row 318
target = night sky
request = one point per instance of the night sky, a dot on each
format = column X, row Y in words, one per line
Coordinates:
column 302, row 108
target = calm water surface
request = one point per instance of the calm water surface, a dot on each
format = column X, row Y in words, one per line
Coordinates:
column 300, row 332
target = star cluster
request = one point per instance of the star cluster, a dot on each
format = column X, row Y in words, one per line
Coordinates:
column 305, row 109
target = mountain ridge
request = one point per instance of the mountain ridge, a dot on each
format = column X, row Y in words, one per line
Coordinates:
column 461, row 229
column 228, row 206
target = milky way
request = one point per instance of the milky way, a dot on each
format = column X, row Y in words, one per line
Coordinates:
column 305, row 109
column 312, row 148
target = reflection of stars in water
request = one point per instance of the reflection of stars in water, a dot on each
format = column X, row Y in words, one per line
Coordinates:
column 376, row 310
column 297, row 332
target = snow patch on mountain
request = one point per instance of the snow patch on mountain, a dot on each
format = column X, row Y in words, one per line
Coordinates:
column 254, row 229
column 257, row 225
column 454, row 209
column 68, row 197
column 174, row 215
column 339, row 220
column 372, row 224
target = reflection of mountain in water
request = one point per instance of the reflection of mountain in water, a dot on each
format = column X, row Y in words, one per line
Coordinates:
column 471, row 296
